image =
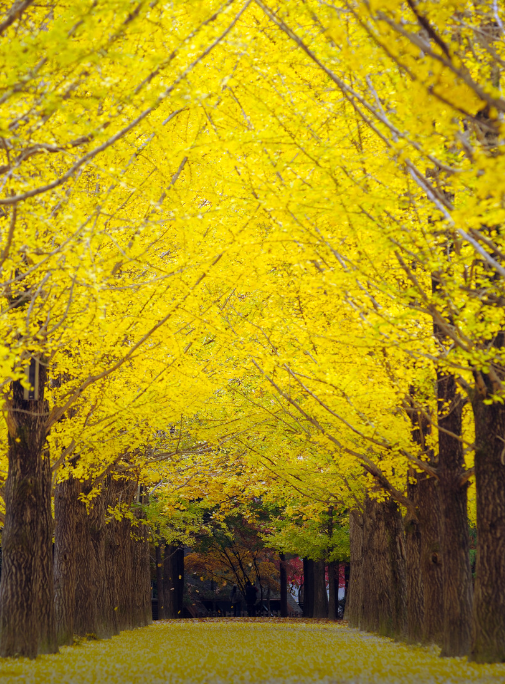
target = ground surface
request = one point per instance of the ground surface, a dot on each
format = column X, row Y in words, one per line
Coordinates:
column 241, row 651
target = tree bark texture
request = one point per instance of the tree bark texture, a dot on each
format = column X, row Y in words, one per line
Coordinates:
column 284, row 586
column 141, row 573
column 125, row 556
column 27, row 619
column 65, row 501
column 320, row 595
column 308, row 588
column 428, row 507
column 102, row 567
column 456, row 570
column 415, row 589
column 353, row 594
column 48, row 642
column 111, row 554
column 384, row 583
column 488, row 638
column 124, row 576
column 104, row 610
column 85, row 606
column 113, row 489
column 455, row 542
column 85, row 562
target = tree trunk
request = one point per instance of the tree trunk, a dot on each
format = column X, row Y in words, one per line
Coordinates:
column 353, row 593
column 428, row 506
column 284, row 586
column 415, row 591
column 173, row 581
column 179, row 581
column 124, row 576
column 65, row 501
column 456, row 570
column 384, row 585
column 112, row 489
column 85, row 614
column 48, row 642
column 308, row 588
column 375, row 576
column 347, row 579
column 159, row 581
column 320, row 595
column 169, row 584
column 396, row 539
column 105, row 620
column 27, row 620
column 141, row 574
column 488, row 639
column 333, row 570
column 111, row 573
column 124, row 572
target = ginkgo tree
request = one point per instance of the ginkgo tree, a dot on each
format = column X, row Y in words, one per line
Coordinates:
column 74, row 145
column 272, row 233
column 418, row 195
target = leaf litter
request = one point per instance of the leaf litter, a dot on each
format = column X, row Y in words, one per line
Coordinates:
column 247, row 651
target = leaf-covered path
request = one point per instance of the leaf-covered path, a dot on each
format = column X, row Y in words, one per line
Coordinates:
column 255, row 651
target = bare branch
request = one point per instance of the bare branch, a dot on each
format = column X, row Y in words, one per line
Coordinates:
column 15, row 12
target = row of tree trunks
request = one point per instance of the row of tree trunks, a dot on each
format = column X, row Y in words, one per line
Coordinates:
column 396, row 586
column 439, row 581
column 102, row 568
column 434, row 541
column 45, row 599
column 384, row 584
column 316, row 602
